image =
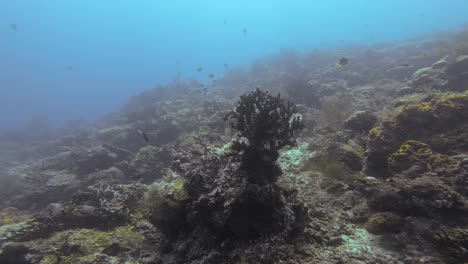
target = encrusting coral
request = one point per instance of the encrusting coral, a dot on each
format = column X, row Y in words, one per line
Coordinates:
column 427, row 121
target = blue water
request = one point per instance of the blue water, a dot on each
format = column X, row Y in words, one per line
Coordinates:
column 84, row 58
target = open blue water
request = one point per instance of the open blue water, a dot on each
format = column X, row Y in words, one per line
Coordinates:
column 84, row 58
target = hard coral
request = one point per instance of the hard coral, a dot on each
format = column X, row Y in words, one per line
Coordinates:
column 360, row 121
column 447, row 74
column 265, row 124
column 430, row 121
column 164, row 204
column 413, row 153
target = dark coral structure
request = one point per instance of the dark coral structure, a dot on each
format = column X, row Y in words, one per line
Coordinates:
column 265, row 124
column 240, row 201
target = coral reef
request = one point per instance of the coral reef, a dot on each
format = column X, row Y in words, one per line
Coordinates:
column 335, row 110
column 360, row 122
column 438, row 121
column 371, row 166
column 213, row 205
column 384, row 222
column 150, row 163
column 447, row 74
column 165, row 205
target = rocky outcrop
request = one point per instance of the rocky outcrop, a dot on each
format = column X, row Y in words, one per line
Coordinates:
column 98, row 158
column 422, row 152
column 56, row 178
column 360, row 121
column 439, row 121
column 384, row 222
column 150, row 163
column 222, row 207
column 427, row 200
column 447, row 74
column 209, row 203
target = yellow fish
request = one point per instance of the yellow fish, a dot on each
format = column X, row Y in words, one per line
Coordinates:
column 342, row 62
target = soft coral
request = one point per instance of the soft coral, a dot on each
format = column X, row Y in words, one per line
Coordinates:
column 265, row 124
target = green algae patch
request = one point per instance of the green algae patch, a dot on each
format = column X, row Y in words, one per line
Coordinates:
column 412, row 153
column 378, row 132
column 171, row 185
column 186, row 141
column 221, row 150
column 375, row 132
column 164, row 204
column 84, row 243
column 357, row 243
column 432, row 120
column 90, row 241
column 293, row 159
column 439, row 104
column 145, row 153
column 461, row 58
column 7, row 221
column 114, row 129
column 50, row 259
column 410, row 98
column 93, row 241
column 422, row 71
column 11, row 215
column 8, row 232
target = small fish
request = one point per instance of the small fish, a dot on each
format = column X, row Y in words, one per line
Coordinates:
column 211, row 76
column 406, row 65
column 225, row 21
column 13, row 26
column 199, row 69
column 226, row 66
column 69, row 67
column 143, row 134
column 244, row 31
column 342, row 62
column 202, row 85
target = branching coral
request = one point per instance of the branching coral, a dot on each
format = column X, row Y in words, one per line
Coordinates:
column 265, row 124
